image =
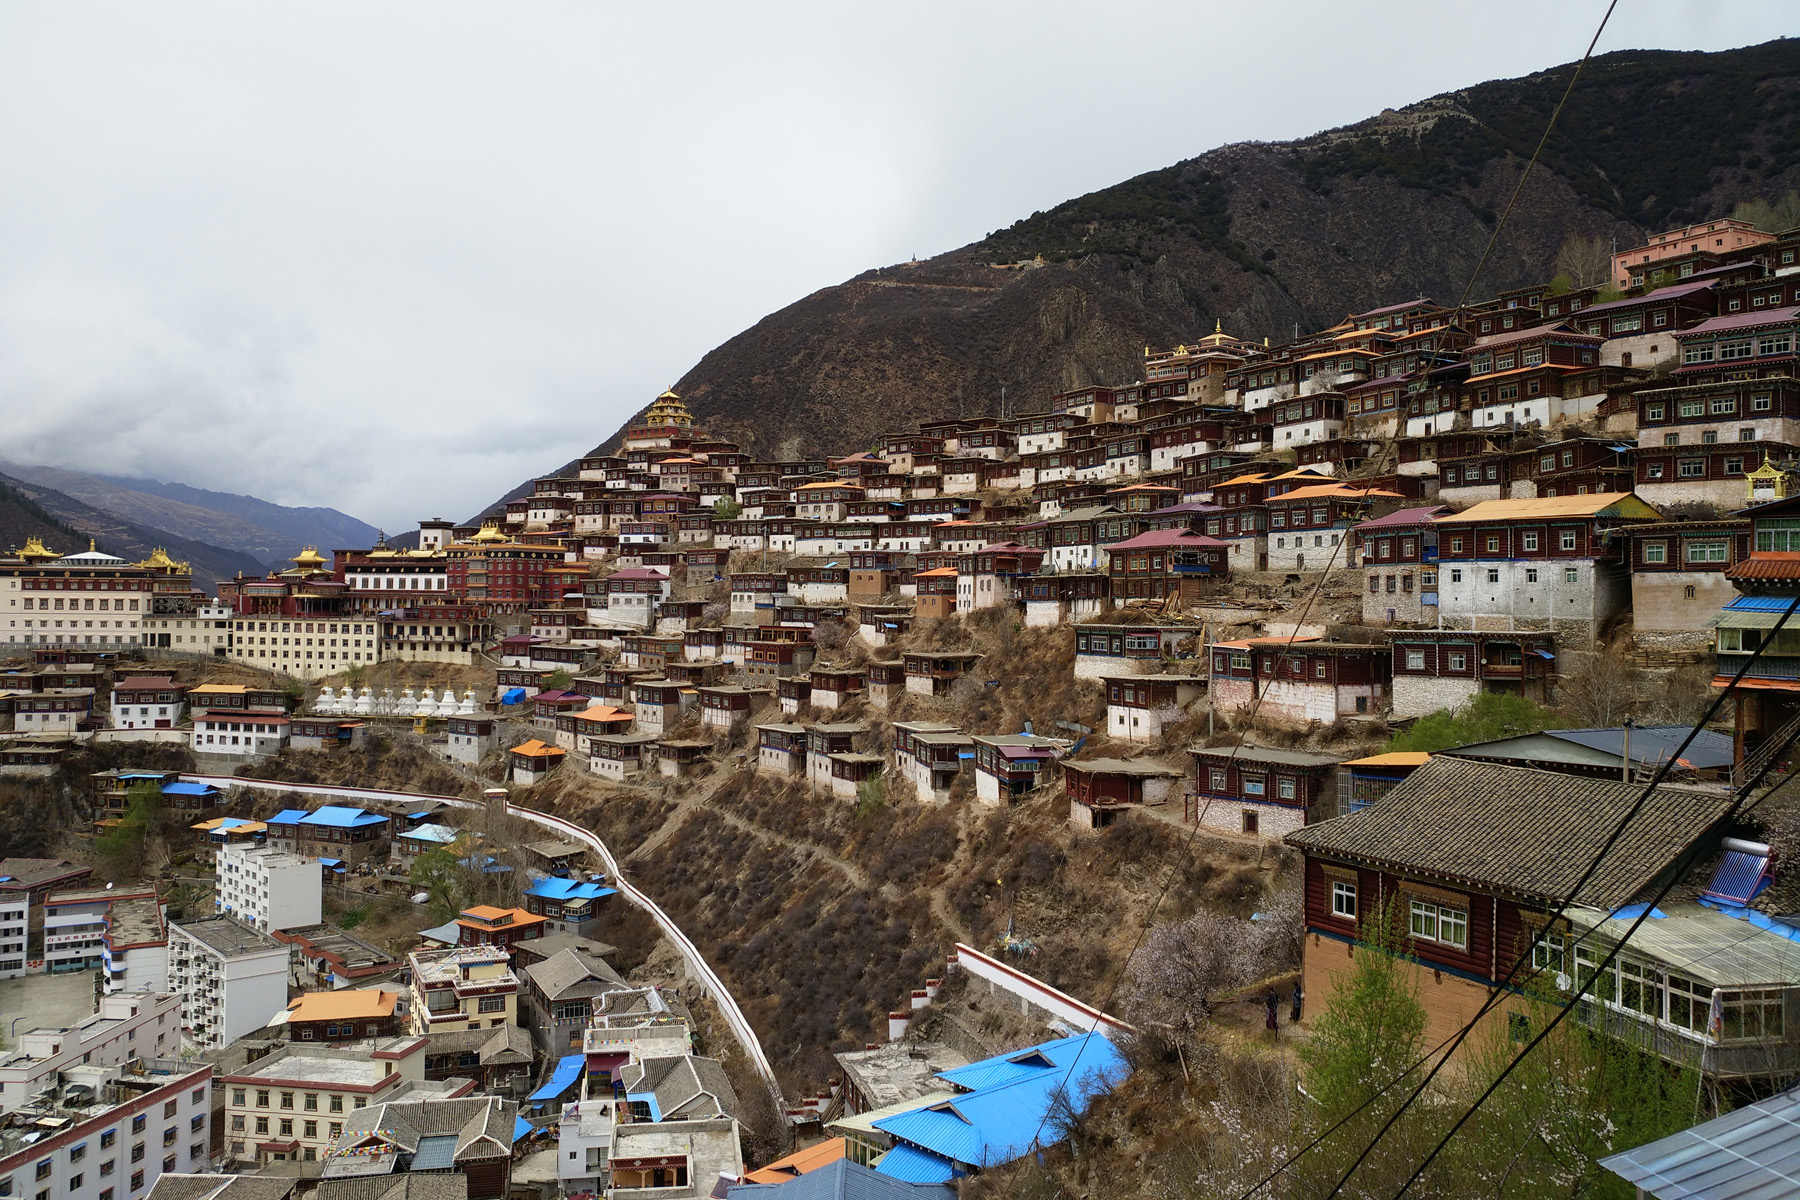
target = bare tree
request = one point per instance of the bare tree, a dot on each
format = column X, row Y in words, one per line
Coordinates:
column 1180, row 967
column 1600, row 692
column 1280, row 929
column 1586, row 261
column 831, row 635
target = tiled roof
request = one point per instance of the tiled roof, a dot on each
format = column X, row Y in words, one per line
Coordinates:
column 1767, row 564
column 1404, row 516
column 1743, row 320
column 1162, row 539
column 1517, row 830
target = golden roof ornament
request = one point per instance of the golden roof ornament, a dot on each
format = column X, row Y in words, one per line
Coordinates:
column 1767, row 482
column 35, row 548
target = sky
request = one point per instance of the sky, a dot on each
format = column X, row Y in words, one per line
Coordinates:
column 397, row 258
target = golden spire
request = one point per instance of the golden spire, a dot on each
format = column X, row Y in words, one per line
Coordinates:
column 1218, row 325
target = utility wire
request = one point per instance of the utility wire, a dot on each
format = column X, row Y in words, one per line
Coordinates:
column 1501, row 988
column 1683, row 862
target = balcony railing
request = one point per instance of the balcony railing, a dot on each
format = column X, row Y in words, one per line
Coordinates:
column 1766, row 667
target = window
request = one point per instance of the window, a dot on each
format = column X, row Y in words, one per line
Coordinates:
column 262, row 1097
column 1343, row 899
column 1285, row 789
column 108, row 1138
column 1754, row 1013
column 262, row 1125
column 1415, row 660
column 287, row 1127
column 1653, row 412
column 1706, row 552
column 1692, row 408
column 1656, row 552
column 137, row 1180
column 1547, row 952
column 1455, row 574
column 1571, row 575
column 309, row 1129
column 1440, row 923
column 492, row 1004
column 1760, row 402
column 1493, row 545
column 1692, row 468
column 310, row 1102
column 1493, row 575
column 1653, row 470
column 337, row 1104
column 1566, row 539
column 1458, row 660
column 137, row 1123
column 1456, row 545
column 1255, row 785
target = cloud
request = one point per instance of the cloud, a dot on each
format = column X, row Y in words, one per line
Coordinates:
column 395, row 258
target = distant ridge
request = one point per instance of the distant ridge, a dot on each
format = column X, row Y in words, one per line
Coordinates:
column 1266, row 238
column 271, row 533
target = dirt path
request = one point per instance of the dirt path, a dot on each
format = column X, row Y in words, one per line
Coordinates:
column 959, row 862
column 685, row 804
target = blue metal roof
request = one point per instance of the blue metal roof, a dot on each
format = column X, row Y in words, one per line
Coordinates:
column 1001, row 1122
column 569, row 889
column 188, row 789
column 1004, row 1068
column 436, row 1152
column 288, row 816
column 341, row 816
column 521, row 1128
column 1760, row 604
column 513, row 696
column 909, row 1165
column 1748, row 1154
column 568, row 1070
column 231, row 823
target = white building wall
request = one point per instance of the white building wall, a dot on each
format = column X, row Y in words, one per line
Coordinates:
column 1309, row 550
column 74, row 1156
column 1419, row 695
column 126, row 1025
column 225, row 997
column 1542, row 594
column 1273, row 821
column 15, row 913
column 269, row 889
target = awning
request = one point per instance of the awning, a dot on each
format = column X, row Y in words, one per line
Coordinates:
column 568, row 1070
column 1737, row 618
column 1549, row 654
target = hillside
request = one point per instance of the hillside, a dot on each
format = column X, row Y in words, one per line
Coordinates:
column 270, row 532
column 31, row 510
column 1263, row 237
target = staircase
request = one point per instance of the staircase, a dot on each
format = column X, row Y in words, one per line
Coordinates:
column 1757, row 759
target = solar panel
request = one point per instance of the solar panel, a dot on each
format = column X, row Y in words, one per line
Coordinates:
column 436, row 1152
column 1741, row 872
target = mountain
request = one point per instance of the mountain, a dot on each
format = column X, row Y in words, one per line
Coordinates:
column 28, row 509
column 1267, row 238
column 272, row 533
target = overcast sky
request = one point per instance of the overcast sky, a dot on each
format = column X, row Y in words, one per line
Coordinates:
column 395, row 258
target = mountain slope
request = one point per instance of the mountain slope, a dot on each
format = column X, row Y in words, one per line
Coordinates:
column 1266, row 238
column 29, row 509
column 271, row 532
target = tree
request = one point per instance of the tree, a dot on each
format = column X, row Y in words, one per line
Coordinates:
column 1181, row 967
column 727, row 510
column 1488, row 716
column 1779, row 217
column 557, row 680
column 1371, row 1030
column 123, row 850
column 1600, row 692
column 444, row 880
column 1586, row 261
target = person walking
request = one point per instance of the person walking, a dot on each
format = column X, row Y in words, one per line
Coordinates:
column 1271, row 1006
column 1294, row 1014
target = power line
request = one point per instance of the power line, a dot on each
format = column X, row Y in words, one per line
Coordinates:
column 1682, row 863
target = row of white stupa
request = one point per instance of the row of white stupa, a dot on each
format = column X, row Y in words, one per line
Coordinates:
column 368, row 704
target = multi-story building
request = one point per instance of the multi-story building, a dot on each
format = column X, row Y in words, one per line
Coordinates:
column 1547, row 564
column 1399, row 557
column 1724, row 237
column 500, row 574
column 268, row 888
column 15, row 925
column 108, row 1132
column 24, row 883
column 332, row 831
column 120, row 932
column 463, row 987
column 198, row 627
column 470, row 1136
column 299, row 622
column 233, row 979
column 148, row 702
column 123, row 1026
column 290, row 1104
column 87, row 599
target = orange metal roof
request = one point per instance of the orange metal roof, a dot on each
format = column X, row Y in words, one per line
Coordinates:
column 537, row 749
column 1393, row 758
column 799, row 1162
column 351, row 1003
column 1333, row 491
column 1255, row 478
column 937, row 572
column 1552, row 506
